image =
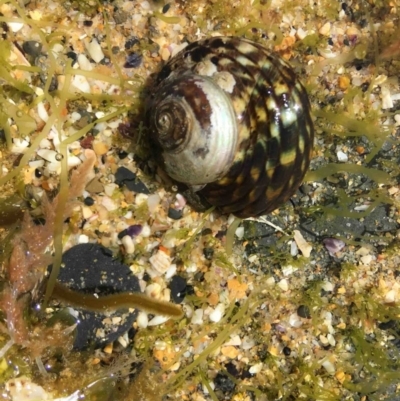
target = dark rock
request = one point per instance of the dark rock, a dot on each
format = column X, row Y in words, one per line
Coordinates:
column 390, row 324
column 91, row 269
column 232, row 370
column 38, row 173
column 208, row 253
column 32, row 48
column 303, row 311
column 132, row 231
column 378, row 221
column 120, row 17
column 175, row 214
column 122, row 154
column 133, row 60
column 224, row 383
column 73, row 56
column 178, row 288
column 130, row 42
column 166, row 8
column 123, row 176
column 88, row 201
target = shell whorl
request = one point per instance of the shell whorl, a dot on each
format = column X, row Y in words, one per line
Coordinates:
column 188, row 113
column 273, row 130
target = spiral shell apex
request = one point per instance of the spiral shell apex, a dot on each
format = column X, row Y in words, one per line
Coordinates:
column 231, row 121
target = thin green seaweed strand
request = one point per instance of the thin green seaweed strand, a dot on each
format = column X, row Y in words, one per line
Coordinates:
column 236, row 320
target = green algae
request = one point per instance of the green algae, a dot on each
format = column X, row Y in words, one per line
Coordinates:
column 379, row 176
column 301, row 383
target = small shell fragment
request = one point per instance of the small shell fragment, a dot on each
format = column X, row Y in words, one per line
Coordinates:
column 333, row 245
column 160, row 262
column 303, row 245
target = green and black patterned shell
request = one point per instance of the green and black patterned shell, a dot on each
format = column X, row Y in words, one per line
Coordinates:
column 260, row 119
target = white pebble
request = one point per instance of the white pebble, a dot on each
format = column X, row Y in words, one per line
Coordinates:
column 80, row 83
column 100, row 127
column 23, row 389
column 387, row 102
column 146, row 231
column 329, row 366
column 123, row 340
column 283, row 285
column 42, row 112
column 19, row 145
column 217, row 313
column 53, row 168
column 197, row 317
column 234, row 341
column 171, row 271
column 110, row 188
column 48, row 155
column 83, row 239
column 390, row 297
column 248, row 343
column 301, row 33
column 331, row 339
column 293, row 248
column 15, row 26
column 108, row 203
column 256, row 368
column 356, row 81
column 128, row 244
column 205, row 389
column 294, row 320
column 95, row 51
column 152, row 202
column 142, row 320
column 84, row 63
column 86, row 212
column 145, row 5
column 75, row 116
column 239, row 232
column 45, row 144
column 342, row 157
column 270, row 281
column 367, row 259
column 325, row 29
column 158, row 320
column 327, row 286
column 288, row 270
column 36, row 163
column 153, row 290
column 73, row 161
column 58, row 48
column 140, row 198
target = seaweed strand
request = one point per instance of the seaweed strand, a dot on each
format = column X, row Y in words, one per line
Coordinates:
column 124, row 300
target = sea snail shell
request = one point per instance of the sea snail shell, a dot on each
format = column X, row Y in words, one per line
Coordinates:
column 231, row 120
